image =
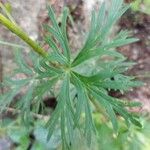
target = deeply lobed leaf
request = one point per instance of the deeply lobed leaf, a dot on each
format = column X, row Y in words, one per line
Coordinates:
column 73, row 114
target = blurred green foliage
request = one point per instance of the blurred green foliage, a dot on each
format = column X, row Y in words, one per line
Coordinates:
column 132, row 138
column 141, row 5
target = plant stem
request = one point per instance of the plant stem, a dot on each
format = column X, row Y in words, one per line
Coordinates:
column 20, row 33
column 7, row 13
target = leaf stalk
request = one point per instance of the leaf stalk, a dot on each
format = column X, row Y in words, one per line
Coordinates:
column 21, row 34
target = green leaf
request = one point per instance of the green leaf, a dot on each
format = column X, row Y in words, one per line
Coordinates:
column 51, row 124
column 52, row 17
column 98, row 52
column 120, row 42
column 64, row 106
column 108, row 108
column 59, row 37
column 121, row 83
column 100, row 17
column 83, row 105
column 120, row 109
column 7, row 98
column 25, row 105
column 96, row 44
column 12, row 44
column 23, row 67
column 47, row 72
column 89, row 41
column 52, row 44
column 70, row 126
column 80, row 102
column 44, row 87
column 60, row 33
column 63, row 28
column 136, row 122
column 17, row 82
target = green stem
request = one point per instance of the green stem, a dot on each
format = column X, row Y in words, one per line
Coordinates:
column 20, row 33
column 7, row 13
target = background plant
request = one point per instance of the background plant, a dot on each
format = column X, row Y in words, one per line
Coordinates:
column 143, row 6
column 82, row 91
